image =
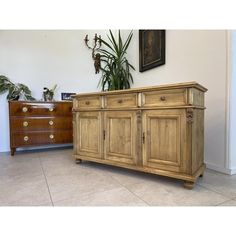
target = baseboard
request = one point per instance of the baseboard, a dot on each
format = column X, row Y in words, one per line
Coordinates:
column 221, row 169
column 52, row 146
column 218, row 168
column 233, row 171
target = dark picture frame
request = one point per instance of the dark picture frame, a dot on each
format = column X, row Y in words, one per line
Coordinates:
column 151, row 49
column 67, row 96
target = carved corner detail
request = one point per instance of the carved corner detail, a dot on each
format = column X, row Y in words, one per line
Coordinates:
column 189, row 115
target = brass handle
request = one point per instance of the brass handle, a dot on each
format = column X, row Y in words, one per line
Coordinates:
column 26, row 138
column 87, row 102
column 25, row 123
column 120, row 101
column 51, row 136
column 162, row 98
column 51, row 109
column 24, row 109
column 50, row 122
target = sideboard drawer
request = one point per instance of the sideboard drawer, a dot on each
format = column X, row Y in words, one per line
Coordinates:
column 88, row 102
column 174, row 97
column 121, row 101
column 42, row 109
column 34, row 138
column 41, row 123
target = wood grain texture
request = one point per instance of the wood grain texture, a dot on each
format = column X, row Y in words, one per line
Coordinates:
column 117, row 101
column 39, row 123
column 177, row 97
column 89, row 134
column 156, row 130
column 164, row 136
column 121, row 134
column 88, row 102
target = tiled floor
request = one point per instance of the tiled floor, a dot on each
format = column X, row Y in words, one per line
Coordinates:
column 51, row 178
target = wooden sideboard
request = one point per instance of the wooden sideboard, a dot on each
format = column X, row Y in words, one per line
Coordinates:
column 39, row 123
column 158, row 130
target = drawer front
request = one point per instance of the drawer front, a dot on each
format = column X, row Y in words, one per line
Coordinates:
column 175, row 97
column 93, row 102
column 37, row 123
column 121, row 101
column 34, row 138
column 40, row 109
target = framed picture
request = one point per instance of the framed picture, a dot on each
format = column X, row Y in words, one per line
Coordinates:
column 151, row 49
column 67, row 96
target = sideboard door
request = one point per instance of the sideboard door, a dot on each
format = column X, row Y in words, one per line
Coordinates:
column 121, row 136
column 89, row 134
column 164, row 135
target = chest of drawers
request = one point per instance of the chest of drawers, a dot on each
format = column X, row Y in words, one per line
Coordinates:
column 158, row 130
column 39, row 123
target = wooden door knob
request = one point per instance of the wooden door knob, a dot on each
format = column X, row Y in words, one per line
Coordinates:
column 87, row 102
column 162, row 98
column 120, row 101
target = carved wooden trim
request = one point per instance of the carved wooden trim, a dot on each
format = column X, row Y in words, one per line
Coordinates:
column 189, row 115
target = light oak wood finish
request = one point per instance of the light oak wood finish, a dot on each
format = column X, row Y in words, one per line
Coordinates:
column 120, row 136
column 158, row 130
column 126, row 101
column 39, row 123
column 89, row 133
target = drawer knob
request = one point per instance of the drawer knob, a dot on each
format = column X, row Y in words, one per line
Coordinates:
column 162, row 98
column 25, row 123
column 26, row 138
column 51, row 136
column 87, row 102
column 24, row 109
column 51, row 109
column 50, row 122
column 120, row 101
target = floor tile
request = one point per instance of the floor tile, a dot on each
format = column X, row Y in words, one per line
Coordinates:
column 171, row 193
column 114, row 197
column 228, row 203
column 25, row 194
column 33, row 178
column 221, row 183
column 76, row 185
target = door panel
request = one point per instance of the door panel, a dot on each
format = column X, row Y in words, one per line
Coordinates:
column 164, row 134
column 89, row 134
column 120, row 141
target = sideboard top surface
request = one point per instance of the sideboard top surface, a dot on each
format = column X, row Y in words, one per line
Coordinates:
column 150, row 88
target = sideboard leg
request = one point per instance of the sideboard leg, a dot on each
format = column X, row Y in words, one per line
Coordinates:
column 13, row 151
column 201, row 175
column 78, row 161
column 188, row 184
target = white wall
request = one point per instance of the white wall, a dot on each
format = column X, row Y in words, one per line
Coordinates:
column 45, row 58
column 41, row 59
column 196, row 55
column 232, row 123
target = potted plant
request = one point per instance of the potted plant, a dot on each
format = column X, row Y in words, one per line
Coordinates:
column 116, row 69
column 15, row 91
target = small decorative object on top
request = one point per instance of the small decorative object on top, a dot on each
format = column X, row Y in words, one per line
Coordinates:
column 49, row 93
column 116, row 69
column 96, row 46
column 67, row 96
column 15, row 91
column 151, row 49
